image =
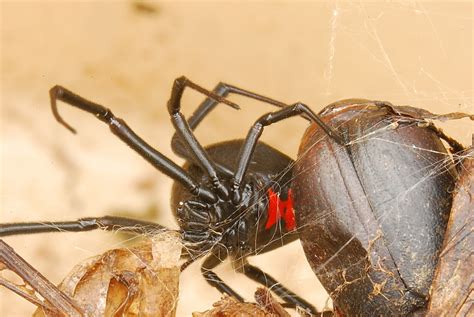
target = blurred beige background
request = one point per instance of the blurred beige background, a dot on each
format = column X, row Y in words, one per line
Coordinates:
column 416, row 53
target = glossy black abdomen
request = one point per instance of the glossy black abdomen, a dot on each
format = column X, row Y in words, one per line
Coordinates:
column 373, row 213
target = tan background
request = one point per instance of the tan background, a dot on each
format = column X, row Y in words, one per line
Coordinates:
column 408, row 53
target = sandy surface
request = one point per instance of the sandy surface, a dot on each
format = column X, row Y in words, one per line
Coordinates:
column 408, row 53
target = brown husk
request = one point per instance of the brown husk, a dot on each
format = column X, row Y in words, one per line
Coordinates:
column 137, row 281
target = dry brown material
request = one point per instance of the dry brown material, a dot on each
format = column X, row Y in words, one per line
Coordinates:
column 138, row 281
column 452, row 290
column 266, row 306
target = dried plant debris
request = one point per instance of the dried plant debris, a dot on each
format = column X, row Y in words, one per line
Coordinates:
column 452, row 290
column 36, row 288
column 266, row 306
column 141, row 280
column 265, row 300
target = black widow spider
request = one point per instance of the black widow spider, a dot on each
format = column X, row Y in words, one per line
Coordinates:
column 230, row 199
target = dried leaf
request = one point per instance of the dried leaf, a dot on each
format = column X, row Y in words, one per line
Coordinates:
column 266, row 306
column 230, row 307
column 265, row 299
column 137, row 281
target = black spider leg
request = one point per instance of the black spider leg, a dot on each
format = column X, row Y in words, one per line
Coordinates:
column 127, row 135
column 209, row 104
column 185, row 133
column 256, row 131
column 109, row 223
column 257, row 275
column 223, row 90
column 212, row 261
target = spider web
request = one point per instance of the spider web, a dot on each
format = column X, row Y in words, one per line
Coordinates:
column 414, row 53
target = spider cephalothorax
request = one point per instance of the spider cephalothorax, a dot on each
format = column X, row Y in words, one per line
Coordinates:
column 222, row 224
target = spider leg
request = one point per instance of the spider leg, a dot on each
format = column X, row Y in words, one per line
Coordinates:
column 257, row 275
column 257, row 129
column 109, row 223
column 211, row 262
column 221, row 90
column 127, row 135
column 185, row 133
